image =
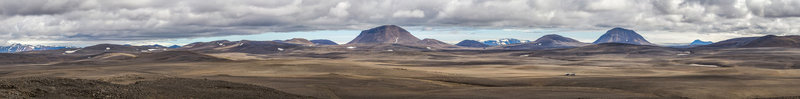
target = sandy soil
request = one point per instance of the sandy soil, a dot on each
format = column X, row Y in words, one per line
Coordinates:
column 442, row 74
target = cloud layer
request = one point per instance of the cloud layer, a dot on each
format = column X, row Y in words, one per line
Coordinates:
column 133, row 20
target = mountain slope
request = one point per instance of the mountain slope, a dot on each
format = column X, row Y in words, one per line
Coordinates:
column 621, row 35
column 775, row 41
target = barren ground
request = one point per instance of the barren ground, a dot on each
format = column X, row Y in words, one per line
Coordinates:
column 426, row 75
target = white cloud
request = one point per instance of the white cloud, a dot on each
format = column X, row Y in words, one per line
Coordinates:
column 340, row 10
column 409, row 14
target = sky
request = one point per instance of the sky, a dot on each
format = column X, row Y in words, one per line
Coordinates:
column 166, row 22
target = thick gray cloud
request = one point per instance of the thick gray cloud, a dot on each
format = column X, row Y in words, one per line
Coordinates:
column 131, row 20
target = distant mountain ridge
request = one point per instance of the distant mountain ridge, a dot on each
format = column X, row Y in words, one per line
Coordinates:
column 621, row 35
column 13, row 48
column 244, row 46
column 550, row 41
column 504, row 41
column 764, row 41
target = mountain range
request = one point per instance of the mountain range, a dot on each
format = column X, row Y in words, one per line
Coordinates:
column 550, row 41
column 504, row 41
column 13, row 48
column 392, row 34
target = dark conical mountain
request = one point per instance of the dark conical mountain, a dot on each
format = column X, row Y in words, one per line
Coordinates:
column 385, row 34
column 471, row 43
column 549, row 42
column 621, row 35
column 323, row 42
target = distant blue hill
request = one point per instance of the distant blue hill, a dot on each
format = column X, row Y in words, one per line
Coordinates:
column 699, row 42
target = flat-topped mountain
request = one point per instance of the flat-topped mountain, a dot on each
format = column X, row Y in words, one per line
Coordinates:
column 390, row 34
column 323, row 42
column 621, row 35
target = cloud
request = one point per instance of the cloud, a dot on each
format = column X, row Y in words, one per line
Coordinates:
column 409, row 14
column 340, row 10
column 147, row 20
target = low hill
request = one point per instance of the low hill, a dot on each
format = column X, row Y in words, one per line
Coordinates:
column 323, row 42
column 176, row 56
column 611, row 48
column 300, row 41
column 471, row 43
column 551, row 41
column 792, row 41
column 244, row 46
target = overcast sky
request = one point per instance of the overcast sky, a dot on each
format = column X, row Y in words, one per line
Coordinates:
column 59, row 22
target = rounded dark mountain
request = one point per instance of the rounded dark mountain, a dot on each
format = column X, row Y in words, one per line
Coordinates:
column 556, row 40
column 323, row 42
column 471, row 43
column 385, row 34
column 621, row 35
column 555, row 37
column 550, row 41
